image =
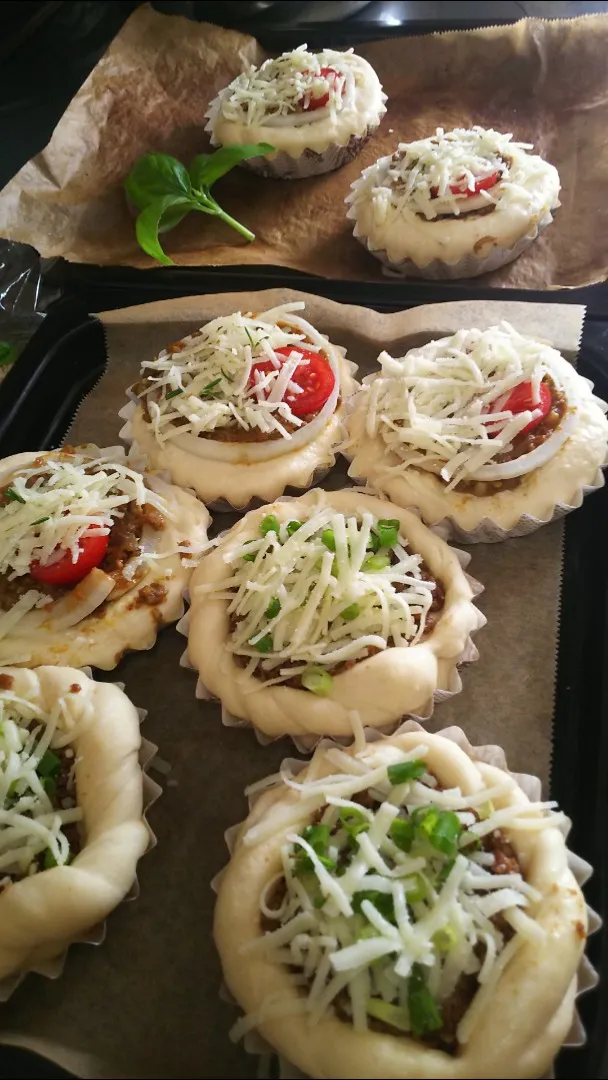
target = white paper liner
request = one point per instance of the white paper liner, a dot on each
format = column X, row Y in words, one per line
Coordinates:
column 310, row 162
column 437, row 270
column 53, row 968
column 270, row 1063
column 319, row 471
column 305, row 744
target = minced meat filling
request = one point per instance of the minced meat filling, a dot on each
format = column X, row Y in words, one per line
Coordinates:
column 454, row 1007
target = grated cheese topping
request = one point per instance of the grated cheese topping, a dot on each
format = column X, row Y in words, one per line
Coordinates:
column 441, row 406
column 204, row 382
column 419, row 176
column 383, row 904
column 54, row 504
column 320, row 592
column 278, row 93
column 32, row 819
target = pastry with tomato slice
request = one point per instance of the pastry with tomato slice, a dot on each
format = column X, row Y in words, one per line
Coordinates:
column 490, row 432
column 71, row 810
column 405, row 910
column 243, row 408
column 316, row 109
column 94, row 556
column 454, row 205
column 314, row 609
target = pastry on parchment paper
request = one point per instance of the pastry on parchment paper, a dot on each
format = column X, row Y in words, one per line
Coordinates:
column 94, row 556
column 313, row 608
column 316, row 109
column 454, row 205
column 491, row 432
column 245, row 407
column 71, row 810
column 403, row 910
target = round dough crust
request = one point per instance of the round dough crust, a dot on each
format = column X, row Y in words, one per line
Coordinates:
column 517, row 1033
column 407, row 677
column 41, row 915
column 240, row 482
column 560, row 481
column 102, row 640
column 318, row 135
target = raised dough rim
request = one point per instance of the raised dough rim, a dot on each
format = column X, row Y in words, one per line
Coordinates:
column 587, row 976
column 152, row 791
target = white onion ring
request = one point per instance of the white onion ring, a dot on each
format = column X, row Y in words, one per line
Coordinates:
column 83, row 599
column 519, row 466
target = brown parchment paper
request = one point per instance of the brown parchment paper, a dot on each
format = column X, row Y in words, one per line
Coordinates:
column 545, row 81
column 146, row 1003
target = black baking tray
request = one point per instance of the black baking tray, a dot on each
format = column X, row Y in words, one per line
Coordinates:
column 67, row 357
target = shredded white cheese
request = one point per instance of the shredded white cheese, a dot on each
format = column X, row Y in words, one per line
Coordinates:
column 420, row 176
column 321, row 594
column 441, row 407
column 32, row 819
column 205, row 382
column 384, row 906
column 280, row 91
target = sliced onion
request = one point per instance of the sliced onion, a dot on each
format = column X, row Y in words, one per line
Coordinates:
column 84, row 598
column 519, row 466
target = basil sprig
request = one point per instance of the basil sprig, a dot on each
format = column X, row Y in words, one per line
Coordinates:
column 164, row 191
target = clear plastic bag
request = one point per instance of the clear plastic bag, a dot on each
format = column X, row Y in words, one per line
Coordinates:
column 23, row 299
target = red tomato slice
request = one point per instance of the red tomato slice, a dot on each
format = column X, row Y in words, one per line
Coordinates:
column 310, row 102
column 483, row 184
column 66, row 572
column 520, row 400
column 316, row 379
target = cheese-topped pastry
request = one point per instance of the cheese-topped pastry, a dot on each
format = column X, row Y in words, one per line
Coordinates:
column 316, row 109
column 94, row 556
column 482, row 425
column 244, row 407
column 456, row 204
column 404, row 911
column 314, row 607
column 71, row 805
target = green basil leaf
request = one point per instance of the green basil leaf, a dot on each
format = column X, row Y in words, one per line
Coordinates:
column 207, row 168
column 155, row 175
column 8, row 353
column 149, row 221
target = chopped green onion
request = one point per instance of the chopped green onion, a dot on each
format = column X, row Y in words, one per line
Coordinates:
column 393, row 1015
column 445, row 871
column 405, row 771
column 402, row 834
column 264, row 645
column 49, row 785
column 49, row 860
column 269, row 524
column 318, row 838
column 13, row 789
column 416, row 889
column 388, row 532
column 383, row 902
column 173, row 393
column 376, row 562
column 209, row 390
column 49, row 764
column 444, row 939
column 441, row 828
column 354, row 821
column 351, row 612
column 249, row 337
column 14, row 495
column 425, row 1014
column 373, row 544
column 39, row 521
column 328, row 538
column 273, row 608
column 293, row 526
column 316, row 680
column 250, row 555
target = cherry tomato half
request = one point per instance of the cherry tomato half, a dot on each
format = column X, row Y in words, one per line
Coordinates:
column 483, row 184
column 310, row 102
column 316, row 379
column 66, row 572
column 520, row 400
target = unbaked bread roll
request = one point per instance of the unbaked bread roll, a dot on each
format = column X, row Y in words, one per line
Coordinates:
column 402, row 912
column 71, row 802
column 312, row 608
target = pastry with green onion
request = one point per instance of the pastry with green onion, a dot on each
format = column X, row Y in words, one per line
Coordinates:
column 312, row 608
column 71, row 806
column 404, row 911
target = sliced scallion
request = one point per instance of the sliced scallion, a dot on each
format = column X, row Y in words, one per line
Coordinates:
column 317, row 680
column 351, row 612
column 269, row 524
